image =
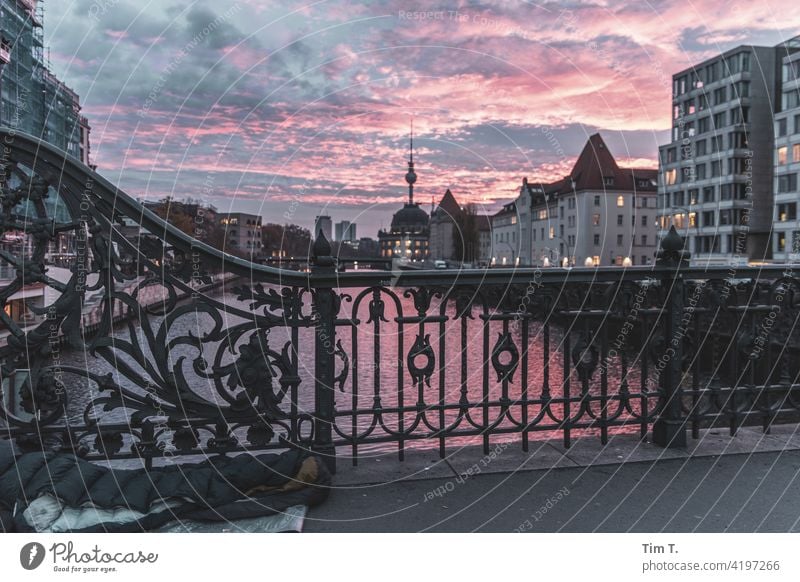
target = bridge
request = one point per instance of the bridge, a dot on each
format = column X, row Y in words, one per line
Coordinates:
column 337, row 361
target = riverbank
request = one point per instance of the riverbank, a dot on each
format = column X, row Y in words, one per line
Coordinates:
column 92, row 312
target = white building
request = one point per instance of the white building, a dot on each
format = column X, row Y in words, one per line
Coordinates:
column 599, row 214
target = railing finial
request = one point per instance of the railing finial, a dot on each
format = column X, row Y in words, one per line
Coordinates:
column 672, row 250
column 321, row 251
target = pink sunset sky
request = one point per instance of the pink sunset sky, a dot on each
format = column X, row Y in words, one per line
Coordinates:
column 290, row 110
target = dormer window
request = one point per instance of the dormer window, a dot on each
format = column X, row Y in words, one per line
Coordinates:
column 608, row 180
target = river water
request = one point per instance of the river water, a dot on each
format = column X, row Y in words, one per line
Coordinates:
column 389, row 379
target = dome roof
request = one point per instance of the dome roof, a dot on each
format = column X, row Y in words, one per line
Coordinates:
column 410, row 216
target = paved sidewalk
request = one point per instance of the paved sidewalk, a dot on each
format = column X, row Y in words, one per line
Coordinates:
column 746, row 483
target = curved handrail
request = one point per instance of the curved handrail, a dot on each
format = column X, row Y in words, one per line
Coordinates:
column 41, row 153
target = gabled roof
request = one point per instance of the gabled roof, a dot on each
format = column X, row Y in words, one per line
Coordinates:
column 595, row 169
column 593, row 165
column 448, row 206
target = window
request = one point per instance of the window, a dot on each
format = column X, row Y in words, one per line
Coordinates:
column 716, row 144
column 596, row 219
column 700, row 146
column 670, row 176
column 644, row 220
column 787, row 183
column 797, row 123
column 709, row 194
column 644, row 240
column 781, row 129
column 596, row 239
column 702, row 125
column 543, row 214
column 671, row 155
column 620, row 201
column 782, row 151
column 738, row 140
column 787, row 211
column 740, row 115
column 796, row 152
column 720, row 96
column 552, row 232
column 719, row 120
column 781, row 241
column 700, row 171
column 608, row 180
column 692, row 219
column 693, row 196
column 619, row 240
column 708, row 218
column 597, row 200
column 596, row 261
column 619, row 220
column 715, row 169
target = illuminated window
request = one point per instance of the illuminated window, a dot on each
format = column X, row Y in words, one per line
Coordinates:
column 596, row 219
column 782, row 151
column 796, row 151
column 552, row 232
column 514, row 219
column 692, row 219
column 620, row 201
column 542, row 214
column 670, row 176
column 596, row 260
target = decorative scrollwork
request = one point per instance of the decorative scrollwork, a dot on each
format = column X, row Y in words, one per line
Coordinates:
column 505, row 345
column 421, row 349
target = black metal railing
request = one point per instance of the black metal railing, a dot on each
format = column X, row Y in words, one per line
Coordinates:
column 343, row 362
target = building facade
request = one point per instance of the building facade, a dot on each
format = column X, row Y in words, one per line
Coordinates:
column 717, row 173
column 444, row 227
column 505, row 236
column 32, row 99
column 786, row 223
column 346, row 231
column 600, row 214
column 242, row 233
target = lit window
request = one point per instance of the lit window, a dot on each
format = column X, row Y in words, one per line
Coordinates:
column 692, row 219
column 670, row 176
column 782, row 151
column 796, row 151
column 620, row 201
column 596, row 260
column 552, row 232
column 596, row 219
column 514, row 220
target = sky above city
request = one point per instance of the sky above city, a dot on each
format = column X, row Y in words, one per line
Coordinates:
column 293, row 109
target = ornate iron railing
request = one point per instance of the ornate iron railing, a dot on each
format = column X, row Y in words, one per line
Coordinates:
column 347, row 361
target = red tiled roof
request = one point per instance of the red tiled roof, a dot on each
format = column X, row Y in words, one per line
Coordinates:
column 594, row 165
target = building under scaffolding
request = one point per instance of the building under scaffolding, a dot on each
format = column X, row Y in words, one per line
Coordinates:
column 34, row 101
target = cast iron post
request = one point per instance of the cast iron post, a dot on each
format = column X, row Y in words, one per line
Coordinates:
column 325, row 309
column 670, row 428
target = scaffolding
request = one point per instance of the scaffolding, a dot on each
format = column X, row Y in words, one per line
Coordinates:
column 33, row 99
